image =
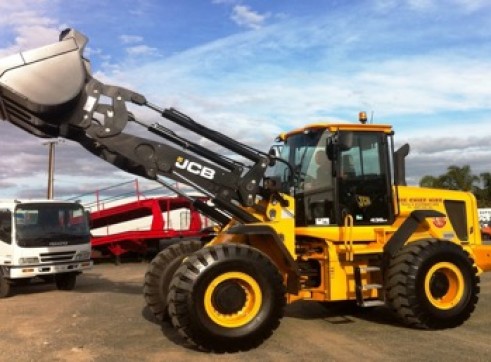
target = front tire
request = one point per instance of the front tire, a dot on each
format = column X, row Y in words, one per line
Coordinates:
column 5, row 287
column 65, row 281
column 159, row 275
column 432, row 284
column 227, row 298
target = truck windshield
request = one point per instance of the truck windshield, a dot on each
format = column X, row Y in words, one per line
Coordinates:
column 306, row 153
column 51, row 224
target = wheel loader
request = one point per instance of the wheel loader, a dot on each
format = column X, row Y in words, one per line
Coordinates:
column 325, row 216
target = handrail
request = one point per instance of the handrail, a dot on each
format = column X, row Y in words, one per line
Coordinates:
column 348, row 236
column 99, row 202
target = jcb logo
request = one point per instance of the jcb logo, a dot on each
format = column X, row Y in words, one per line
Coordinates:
column 195, row 168
column 363, row 201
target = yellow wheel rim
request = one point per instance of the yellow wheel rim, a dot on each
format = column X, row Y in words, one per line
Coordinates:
column 233, row 299
column 444, row 285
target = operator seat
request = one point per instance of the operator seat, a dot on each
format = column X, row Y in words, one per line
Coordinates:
column 347, row 167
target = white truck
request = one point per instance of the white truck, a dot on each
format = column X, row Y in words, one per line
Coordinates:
column 45, row 239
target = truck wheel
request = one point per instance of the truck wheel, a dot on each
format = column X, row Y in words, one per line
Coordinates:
column 65, row 281
column 226, row 298
column 159, row 275
column 47, row 278
column 432, row 284
column 5, row 287
column 22, row 282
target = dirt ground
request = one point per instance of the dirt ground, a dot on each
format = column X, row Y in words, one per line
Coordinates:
column 105, row 319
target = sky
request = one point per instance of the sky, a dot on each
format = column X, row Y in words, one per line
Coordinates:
column 252, row 69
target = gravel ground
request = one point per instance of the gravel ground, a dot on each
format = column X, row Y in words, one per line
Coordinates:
column 105, row 319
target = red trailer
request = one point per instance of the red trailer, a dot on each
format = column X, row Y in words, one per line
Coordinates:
column 110, row 240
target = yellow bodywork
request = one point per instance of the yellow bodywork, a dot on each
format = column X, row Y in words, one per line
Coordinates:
column 340, row 249
column 346, row 247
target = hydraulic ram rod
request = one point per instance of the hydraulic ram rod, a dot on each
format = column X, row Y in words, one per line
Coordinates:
column 217, row 137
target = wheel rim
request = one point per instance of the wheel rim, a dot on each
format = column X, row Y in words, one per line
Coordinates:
column 233, row 299
column 444, row 285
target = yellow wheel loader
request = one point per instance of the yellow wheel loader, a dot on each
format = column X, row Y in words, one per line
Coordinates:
column 325, row 216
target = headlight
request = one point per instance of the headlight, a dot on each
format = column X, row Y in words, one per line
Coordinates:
column 33, row 260
column 82, row 255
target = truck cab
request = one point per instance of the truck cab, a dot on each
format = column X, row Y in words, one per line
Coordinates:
column 42, row 238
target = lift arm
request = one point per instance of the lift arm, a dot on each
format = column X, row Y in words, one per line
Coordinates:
column 50, row 92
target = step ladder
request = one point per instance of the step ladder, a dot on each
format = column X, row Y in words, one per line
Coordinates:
column 360, row 287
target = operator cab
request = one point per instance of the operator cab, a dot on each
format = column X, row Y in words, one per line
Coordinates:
column 338, row 170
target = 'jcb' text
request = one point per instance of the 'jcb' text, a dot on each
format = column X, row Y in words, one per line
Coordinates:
column 195, row 168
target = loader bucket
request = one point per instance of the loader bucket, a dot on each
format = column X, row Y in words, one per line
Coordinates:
column 43, row 81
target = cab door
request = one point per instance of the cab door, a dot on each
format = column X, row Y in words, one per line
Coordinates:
column 5, row 233
column 363, row 179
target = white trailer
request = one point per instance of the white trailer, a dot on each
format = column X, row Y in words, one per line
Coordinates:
column 46, row 239
column 484, row 216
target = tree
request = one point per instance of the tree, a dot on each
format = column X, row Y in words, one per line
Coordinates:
column 432, row 182
column 461, row 178
column 483, row 195
column 456, row 178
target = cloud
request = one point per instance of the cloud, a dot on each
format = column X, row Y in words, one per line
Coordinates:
column 224, row 1
column 430, row 6
column 242, row 15
column 257, row 84
column 473, row 5
column 130, row 39
column 29, row 24
column 240, row 73
column 140, row 50
column 430, row 79
column 420, row 4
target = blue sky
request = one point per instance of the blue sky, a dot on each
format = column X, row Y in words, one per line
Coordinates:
column 255, row 68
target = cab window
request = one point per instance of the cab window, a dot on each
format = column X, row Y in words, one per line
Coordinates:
column 364, row 185
column 6, row 226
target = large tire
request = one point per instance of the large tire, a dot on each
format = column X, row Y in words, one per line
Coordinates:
column 227, row 298
column 65, row 281
column 22, row 282
column 5, row 287
column 159, row 275
column 432, row 284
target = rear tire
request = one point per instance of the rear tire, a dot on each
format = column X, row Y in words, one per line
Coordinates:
column 65, row 281
column 227, row 298
column 432, row 284
column 159, row 275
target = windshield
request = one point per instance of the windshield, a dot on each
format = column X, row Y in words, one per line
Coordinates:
column 306, row 153
column 51, row 224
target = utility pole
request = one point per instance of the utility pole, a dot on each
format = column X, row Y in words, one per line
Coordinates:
column 51, row 167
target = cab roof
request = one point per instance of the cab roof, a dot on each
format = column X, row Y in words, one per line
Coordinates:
column 334, row 127
column 14, row 202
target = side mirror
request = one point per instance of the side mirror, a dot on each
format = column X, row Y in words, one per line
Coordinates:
column 342, row 141
column 331, row 149
column 87, row 218
column 275, row 150
column 345, row 140
column 274, row 153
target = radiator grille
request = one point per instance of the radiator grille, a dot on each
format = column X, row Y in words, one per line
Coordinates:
column 456, row 212
column 58, row 256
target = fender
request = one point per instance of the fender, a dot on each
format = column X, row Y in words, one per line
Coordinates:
column 283, row 258
column 407, row 228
